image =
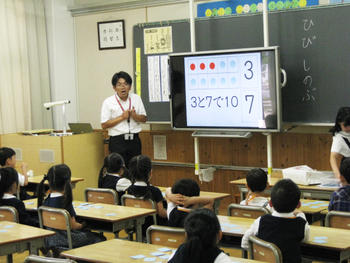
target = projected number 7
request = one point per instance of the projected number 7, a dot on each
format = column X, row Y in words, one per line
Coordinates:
column 251, row 99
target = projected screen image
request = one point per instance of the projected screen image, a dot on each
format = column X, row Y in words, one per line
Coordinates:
column 232, row 90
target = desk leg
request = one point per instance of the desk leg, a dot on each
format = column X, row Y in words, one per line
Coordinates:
column 216, row 206
column 9, row 258
column 138, row 224
column 138, row 231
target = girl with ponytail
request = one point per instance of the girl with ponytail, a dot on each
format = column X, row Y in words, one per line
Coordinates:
column 113, row 174
column 61, row 196
column 140, row 171
column 203, row 233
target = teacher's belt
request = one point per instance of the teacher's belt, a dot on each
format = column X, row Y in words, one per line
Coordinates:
column 126, row 136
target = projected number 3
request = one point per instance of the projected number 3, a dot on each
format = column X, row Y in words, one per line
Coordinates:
column 249, row 68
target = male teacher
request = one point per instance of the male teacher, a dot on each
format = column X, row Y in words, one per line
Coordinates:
column 121, row 115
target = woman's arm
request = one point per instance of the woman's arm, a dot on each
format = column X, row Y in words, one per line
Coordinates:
column 335, row 159
column 206, row 202
column 75, row 225
column 161, row 210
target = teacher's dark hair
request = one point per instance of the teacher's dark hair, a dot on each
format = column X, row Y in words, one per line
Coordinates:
column 343, row 115
column 121, row 74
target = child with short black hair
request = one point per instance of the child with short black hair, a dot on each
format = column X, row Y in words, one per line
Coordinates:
column 112, row 174
column 140, row 171
column 59, row 178
column 203, row 233
column 8, row 190
column 8, row 159
column 256, row 184
column 340, row 199
column 285, row 227
column 183, row 196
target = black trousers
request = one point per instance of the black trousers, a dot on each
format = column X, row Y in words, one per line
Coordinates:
column 126, row 148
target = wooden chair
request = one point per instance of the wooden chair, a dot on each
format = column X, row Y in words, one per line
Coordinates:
column 101, row 195
column 132, row 201
column 40, row 259
column 264, row 251
column 246, row 211
column 165, row 236
column 338, row 219
column 56, row 219
column 8, row 213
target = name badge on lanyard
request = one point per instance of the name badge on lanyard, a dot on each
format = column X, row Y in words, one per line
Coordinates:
column 127, row 136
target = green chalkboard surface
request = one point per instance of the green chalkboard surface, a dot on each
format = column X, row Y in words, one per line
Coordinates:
column 314, row 45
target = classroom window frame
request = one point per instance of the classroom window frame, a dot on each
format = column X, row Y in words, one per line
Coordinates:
column 115, row 26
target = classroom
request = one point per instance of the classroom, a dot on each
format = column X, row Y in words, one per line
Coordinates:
column 59, row 57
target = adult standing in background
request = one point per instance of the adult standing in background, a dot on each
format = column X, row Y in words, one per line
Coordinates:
column 341, row 139
column 121, row 115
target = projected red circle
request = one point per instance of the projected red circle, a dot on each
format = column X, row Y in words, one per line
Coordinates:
column 193, row 66
column 212, row 65
column 202, row 66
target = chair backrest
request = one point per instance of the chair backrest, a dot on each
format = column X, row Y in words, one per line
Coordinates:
column 264, row 251
column 246, row 211
column 56, row 218
column 101, row 195
column 338, row 219
column 40, row 259
column 165, row 236
column 139, row 202
column 8, row 213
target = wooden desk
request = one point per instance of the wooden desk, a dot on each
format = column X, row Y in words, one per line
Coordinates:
column 35, row 180
column 106, row 218
column 216, row 196
column 309, row 191
column 117, row 250
column 337, row 243
column 16, row 237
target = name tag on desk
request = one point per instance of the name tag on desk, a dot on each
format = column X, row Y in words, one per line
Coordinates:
column 129, row 136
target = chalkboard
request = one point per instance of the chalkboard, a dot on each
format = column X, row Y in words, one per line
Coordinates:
column 314, row 46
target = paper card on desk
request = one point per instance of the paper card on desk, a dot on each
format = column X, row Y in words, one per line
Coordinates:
column 138, row 256
column 164, row 249
column 315, row 206
column 157, row 254
column 319, row 241
column 321, row 237
column 98, row 206
column 83, row 204
column 30, row 203
column 9, row 226
column 3, row 231
column 149, row 259
column 111, row 214
column 165, row 257
column 83, row 207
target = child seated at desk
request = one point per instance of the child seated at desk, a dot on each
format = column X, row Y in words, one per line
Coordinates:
column 340, row 199
column 60, row 196
column 8, row 190
column 140, row 171
column 203, row 233
column 8, row 159
column 112, row 174
column 184, row 196
column 256, row 184
column 285, row 227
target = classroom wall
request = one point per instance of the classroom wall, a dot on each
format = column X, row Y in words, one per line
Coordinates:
column 95, row 68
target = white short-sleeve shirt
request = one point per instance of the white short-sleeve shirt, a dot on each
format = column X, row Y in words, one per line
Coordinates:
column 339, row 145
column 111, row 109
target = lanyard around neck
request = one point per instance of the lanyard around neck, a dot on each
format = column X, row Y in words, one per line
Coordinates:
column 121, row 104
